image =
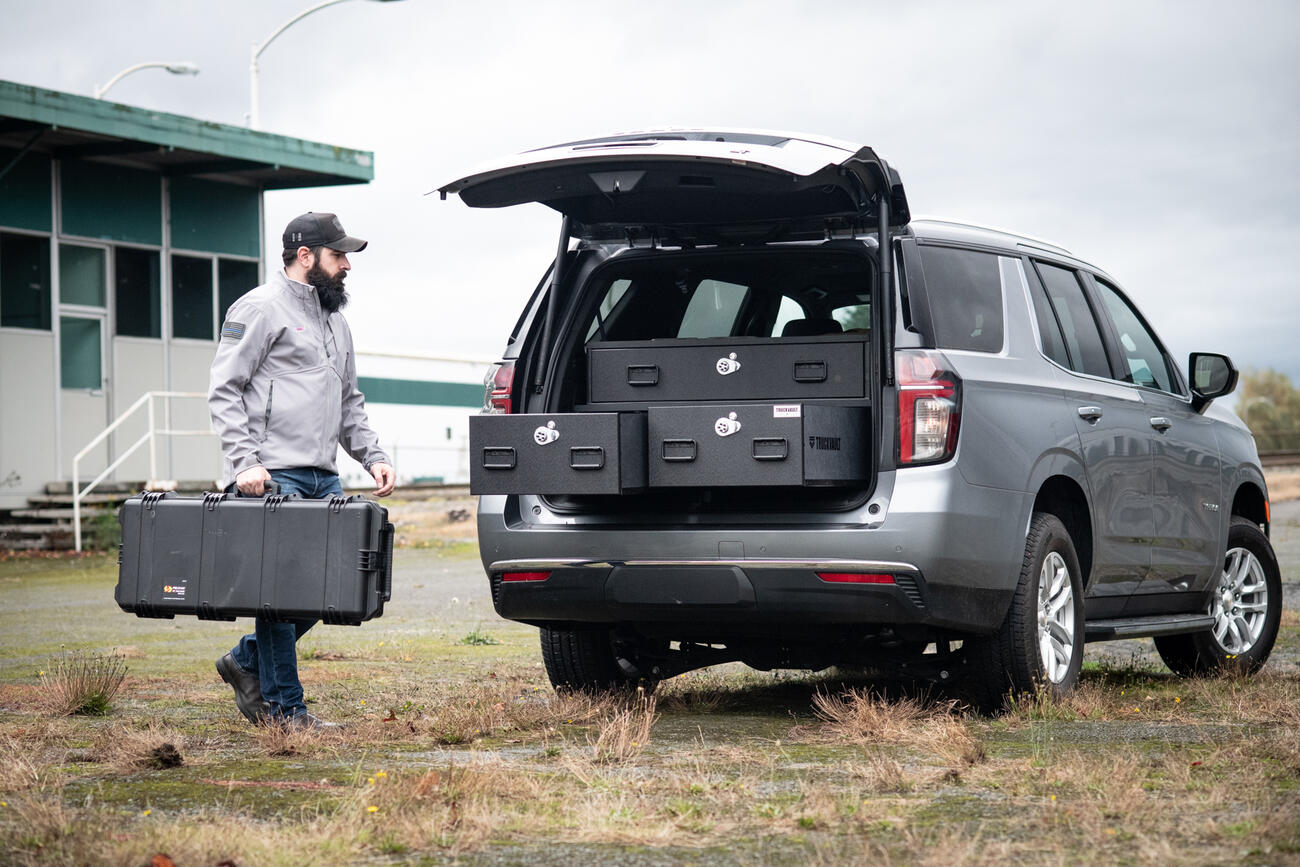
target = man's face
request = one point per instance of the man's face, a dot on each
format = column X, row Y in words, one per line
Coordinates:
column 327, row 273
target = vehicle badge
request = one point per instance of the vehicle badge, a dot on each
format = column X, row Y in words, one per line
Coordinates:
column 546, row 435
column 728, row 365
column 725, row 427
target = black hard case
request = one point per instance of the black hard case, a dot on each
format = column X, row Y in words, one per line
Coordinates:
column 561, row 453
column 219, row 557
column 728, row 369
column 767, row 445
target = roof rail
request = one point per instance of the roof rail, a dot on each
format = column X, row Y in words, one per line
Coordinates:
column 1026, row 240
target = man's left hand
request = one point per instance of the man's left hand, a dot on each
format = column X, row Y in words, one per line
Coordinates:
column 385, row 478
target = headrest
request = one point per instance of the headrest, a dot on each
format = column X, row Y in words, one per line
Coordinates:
column 808, row 327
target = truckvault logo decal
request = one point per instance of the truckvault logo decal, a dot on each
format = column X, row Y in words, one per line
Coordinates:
column 725, row 427
column 826, row 444
column 727, row 366
column 544, row 436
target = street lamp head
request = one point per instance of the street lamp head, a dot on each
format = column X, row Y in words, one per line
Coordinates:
column 183, row 68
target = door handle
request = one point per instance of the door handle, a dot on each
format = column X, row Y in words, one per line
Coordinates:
column 1161, row 423
column 1090, row 413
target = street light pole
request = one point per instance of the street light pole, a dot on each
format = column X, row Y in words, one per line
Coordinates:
column 174, row 67
column 258, row 48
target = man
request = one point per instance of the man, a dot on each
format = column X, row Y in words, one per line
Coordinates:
column 283, row 396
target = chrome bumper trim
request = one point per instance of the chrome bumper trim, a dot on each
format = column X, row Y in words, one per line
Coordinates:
column 813, row 565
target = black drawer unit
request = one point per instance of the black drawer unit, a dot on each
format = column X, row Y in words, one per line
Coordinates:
column 750, row 445
column 830, row 367
column 562, row 453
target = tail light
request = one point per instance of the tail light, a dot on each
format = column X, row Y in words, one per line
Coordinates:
column 929, row 407
column 498, row 384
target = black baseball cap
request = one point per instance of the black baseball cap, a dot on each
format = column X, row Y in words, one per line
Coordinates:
column 320, row 230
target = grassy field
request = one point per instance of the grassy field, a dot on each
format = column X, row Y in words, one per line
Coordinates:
column 456, row 750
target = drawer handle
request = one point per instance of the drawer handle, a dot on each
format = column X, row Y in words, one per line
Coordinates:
column 498, row 458
column 586, row 457
column 643, row 374
column 810, row 371
column 678, row 451
column 771, row 448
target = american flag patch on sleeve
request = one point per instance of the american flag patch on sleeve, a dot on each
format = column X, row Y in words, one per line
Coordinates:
column 232, row 330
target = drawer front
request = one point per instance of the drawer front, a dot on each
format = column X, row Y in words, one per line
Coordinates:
column 691, row 370
column 747, row 445
column 563, row 453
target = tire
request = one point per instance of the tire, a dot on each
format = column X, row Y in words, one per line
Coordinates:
column 1040, row 642
column 1246, row 605
column 581, row 659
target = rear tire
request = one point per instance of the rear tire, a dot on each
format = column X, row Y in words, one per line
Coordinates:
column 1040, row 642
column 1247, row 608
column 581, row 659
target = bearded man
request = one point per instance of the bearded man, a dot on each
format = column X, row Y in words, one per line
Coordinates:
column 283, row 396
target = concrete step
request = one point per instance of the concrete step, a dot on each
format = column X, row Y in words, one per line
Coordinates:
column 34, row 529
column 126, row 489
column 56, row 514
column 95, row 499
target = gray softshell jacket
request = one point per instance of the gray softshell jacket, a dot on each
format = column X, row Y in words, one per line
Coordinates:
column 283, row 388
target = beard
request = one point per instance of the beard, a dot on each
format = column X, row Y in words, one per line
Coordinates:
column 333, row 297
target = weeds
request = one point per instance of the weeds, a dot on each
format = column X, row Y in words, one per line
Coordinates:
column 475, row 638
column 82, row 683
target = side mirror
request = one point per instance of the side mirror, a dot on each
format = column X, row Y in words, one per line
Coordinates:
column 1211, row 375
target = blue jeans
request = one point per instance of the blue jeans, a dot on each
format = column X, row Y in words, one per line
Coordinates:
column 271, row 650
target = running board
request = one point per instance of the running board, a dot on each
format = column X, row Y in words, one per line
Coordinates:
column 1145, row 627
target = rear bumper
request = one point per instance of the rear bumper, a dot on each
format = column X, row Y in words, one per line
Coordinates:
column 954, row 550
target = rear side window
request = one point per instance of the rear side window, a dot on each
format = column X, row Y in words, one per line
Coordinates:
column 1146, row 363
column 1087, row 353
column 1049, row 330
column 713, row 310
column 965, row 292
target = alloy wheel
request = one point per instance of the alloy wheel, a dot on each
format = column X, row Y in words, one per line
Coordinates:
column 1055, row 618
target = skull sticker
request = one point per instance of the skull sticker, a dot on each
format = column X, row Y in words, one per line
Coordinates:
column 725, row 427
column 546, row 435
column 728, row 365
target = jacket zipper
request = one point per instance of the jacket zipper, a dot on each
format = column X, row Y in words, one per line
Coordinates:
column 266, row 421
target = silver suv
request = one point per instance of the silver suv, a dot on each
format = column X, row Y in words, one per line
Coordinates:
column 725, row 427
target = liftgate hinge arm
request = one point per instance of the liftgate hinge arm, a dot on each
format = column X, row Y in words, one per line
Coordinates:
column 557, row 275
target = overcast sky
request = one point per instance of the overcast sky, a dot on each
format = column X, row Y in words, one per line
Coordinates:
column 1161, row 141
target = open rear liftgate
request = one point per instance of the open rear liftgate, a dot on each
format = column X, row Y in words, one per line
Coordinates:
column 730, row 412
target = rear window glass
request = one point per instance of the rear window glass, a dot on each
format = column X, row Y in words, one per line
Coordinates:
column 965, row 292
column 798, row 295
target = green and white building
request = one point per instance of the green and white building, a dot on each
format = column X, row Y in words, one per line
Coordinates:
column 124, row 235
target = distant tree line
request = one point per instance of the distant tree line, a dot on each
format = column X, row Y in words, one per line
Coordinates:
column 1270, row 406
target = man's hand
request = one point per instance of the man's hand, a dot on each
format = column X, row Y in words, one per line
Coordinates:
column 385, row 478
column 252, row 481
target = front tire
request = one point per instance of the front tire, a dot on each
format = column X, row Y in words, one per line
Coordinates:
column 1040, row 642
column 1246, row 605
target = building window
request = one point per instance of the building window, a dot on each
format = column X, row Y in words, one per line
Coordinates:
column 82, row 276
column 25, row 282
column 192, row 297
column 139, row 305
column 81, row 352
column 234, row 278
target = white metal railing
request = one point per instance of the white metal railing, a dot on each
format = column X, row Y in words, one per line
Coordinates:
column 150, row 436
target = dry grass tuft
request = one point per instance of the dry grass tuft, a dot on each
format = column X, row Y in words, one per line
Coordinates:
column 83, row 683
column 283, row 740
column 126, row 750
column 17, row 769
column 623, row 733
